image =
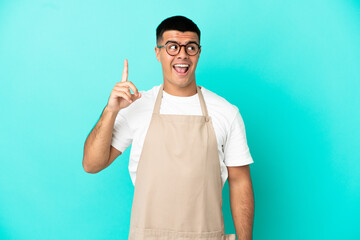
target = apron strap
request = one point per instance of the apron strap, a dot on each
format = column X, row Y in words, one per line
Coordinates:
column 160, row 94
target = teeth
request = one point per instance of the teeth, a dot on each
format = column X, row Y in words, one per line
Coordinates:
column 181, row 65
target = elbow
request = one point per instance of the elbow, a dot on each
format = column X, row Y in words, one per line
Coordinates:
column 89, row 168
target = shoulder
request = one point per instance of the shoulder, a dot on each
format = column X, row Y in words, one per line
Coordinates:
column 219, row 105
column 149, row 94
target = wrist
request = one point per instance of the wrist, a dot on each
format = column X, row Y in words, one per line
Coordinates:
column 111, row 111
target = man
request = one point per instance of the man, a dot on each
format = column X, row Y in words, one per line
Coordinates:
column 186, row 141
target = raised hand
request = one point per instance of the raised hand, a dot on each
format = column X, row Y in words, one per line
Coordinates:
column 120, row 96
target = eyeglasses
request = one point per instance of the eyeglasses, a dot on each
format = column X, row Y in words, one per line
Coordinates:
column 173, row 48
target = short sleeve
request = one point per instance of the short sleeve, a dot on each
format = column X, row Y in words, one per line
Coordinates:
column 122, row 134
column 236, row 150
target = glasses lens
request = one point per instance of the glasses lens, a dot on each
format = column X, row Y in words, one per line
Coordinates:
column 192, row 49
column 172, row 48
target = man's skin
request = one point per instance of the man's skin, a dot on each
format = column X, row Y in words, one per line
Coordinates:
column 99, row 154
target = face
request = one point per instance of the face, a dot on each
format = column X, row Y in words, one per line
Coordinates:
column 174, row 70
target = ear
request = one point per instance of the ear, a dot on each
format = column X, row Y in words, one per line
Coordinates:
column 157, row 52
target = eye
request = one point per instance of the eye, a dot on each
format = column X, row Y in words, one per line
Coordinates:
column 173, row 46
column 192, row 48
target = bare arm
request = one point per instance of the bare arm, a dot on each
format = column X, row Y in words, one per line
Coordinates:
column 98, row 152
column 98, row 149
column 241, row 201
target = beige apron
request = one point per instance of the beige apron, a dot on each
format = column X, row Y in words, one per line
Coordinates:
column 178, row 187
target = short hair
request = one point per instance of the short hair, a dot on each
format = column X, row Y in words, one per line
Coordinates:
column 179, row 23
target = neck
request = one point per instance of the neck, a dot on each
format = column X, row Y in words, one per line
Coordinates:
column 180, row 90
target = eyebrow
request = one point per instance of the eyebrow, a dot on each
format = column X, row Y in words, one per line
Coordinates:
column 172, row 41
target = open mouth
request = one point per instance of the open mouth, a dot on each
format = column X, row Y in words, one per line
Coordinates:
column 181, row 69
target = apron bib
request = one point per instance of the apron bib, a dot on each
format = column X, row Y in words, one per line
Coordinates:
column 178, row 187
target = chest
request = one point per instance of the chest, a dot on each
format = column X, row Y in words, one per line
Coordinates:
column 141, row 124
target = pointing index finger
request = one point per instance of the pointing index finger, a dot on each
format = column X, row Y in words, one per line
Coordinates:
column 125, row 72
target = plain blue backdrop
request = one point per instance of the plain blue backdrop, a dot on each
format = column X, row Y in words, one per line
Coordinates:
column 291, row 67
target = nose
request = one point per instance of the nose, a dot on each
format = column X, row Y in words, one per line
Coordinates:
column 182, row 53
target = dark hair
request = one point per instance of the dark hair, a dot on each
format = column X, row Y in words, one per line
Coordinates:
column 179, row 23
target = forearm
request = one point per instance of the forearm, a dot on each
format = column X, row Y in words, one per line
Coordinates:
column 97, row 144
column 242, row 209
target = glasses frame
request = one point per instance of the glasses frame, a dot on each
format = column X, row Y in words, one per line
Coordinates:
column 180, row 45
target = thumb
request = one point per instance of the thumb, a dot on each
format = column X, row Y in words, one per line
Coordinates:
column 137, row 96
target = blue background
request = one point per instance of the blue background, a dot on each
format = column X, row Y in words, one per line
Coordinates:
column 291, row 67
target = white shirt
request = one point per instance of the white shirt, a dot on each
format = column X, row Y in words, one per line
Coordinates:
column 132, row 123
